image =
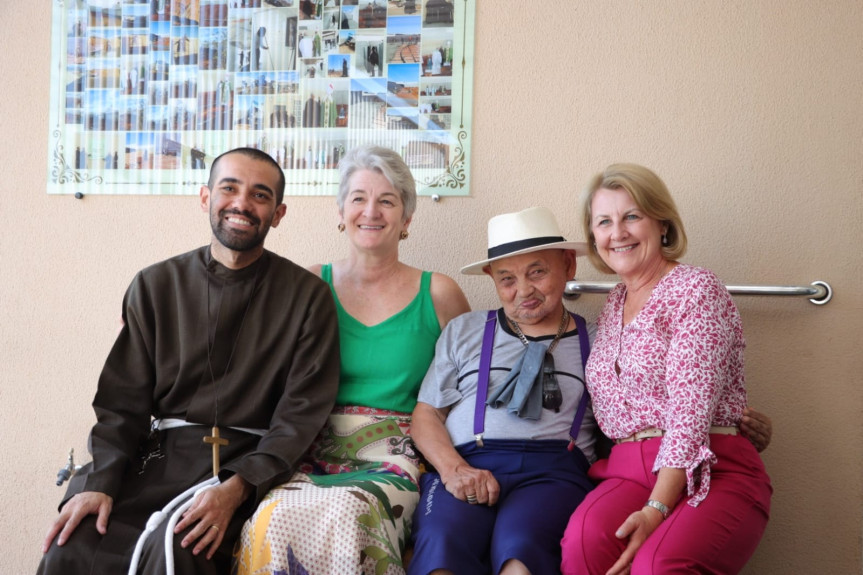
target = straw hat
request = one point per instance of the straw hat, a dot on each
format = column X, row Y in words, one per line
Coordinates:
column 530, row 230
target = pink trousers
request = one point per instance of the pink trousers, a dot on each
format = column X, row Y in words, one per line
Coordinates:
column 719, row 536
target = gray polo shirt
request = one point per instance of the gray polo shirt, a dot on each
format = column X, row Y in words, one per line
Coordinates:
column 452, row 381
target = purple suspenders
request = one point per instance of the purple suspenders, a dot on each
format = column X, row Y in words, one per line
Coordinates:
column 485, row 367
column 482, row 382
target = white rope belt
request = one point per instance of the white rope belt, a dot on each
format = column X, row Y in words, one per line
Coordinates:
column 181, row 503
column 172, row 423
column 173, row 510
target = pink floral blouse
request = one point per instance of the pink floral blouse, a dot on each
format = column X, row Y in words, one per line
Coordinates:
column 681, row 370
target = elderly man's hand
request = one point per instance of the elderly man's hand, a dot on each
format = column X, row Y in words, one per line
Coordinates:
column 757, row 428
column 472, row 485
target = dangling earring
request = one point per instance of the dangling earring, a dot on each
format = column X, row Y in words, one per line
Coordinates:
column 404, row 235
column 664, row 240
column 341, row 227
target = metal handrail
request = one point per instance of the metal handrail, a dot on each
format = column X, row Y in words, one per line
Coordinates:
column 819, row 292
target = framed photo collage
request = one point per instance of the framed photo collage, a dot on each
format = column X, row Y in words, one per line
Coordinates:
column 146, row 93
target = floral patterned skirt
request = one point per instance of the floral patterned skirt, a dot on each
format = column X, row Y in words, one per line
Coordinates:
column 348, row 509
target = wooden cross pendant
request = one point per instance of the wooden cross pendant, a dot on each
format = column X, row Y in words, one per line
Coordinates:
column 216, row 441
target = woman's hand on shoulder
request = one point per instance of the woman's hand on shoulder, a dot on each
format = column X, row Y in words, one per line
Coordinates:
column 449, row 301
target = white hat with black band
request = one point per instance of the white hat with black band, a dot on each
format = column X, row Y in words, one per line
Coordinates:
column 530, row 230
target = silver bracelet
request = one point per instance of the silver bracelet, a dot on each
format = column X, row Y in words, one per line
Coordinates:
column 659, row 506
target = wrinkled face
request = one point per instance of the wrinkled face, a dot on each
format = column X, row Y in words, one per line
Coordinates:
column 373, row 212
column 627, row 240
column 242, row 202
column 530, row 286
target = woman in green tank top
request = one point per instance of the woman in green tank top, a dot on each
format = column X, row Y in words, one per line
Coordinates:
column 349, row 508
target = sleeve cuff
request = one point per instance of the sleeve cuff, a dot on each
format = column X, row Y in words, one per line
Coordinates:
column 698, row 476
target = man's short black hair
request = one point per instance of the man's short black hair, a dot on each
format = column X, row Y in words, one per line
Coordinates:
column 255, row 154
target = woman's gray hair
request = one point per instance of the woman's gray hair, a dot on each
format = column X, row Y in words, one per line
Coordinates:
column 383, row 161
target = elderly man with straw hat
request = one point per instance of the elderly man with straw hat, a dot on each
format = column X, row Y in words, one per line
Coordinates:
column 503, row 415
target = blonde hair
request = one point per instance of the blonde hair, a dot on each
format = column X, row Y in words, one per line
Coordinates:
column 651, row 196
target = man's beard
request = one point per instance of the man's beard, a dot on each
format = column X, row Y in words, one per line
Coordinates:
column 234, row 240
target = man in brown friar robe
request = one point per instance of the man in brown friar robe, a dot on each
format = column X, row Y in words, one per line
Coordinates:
column 230, row 336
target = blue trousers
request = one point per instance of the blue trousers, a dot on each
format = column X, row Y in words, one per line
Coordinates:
column 541, row 484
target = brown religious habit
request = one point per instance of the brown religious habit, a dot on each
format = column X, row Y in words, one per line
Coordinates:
column 215, row 439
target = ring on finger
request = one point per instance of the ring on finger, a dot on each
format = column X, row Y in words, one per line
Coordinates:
column 471, row 499
column 216, row 527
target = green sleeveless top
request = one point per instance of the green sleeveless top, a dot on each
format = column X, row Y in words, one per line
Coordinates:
column 383, row 365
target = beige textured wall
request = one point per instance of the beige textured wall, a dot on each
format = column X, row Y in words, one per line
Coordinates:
column 751, row 110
